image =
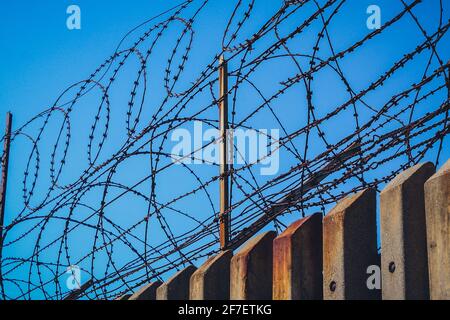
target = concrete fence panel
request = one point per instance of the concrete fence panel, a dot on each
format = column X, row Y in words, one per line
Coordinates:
column 404, row 265
column 147, row 292
column 212, row 280
column 350, row 247
column 177, row 287
column 251, row 269
column 124, row 297
column 437, row 208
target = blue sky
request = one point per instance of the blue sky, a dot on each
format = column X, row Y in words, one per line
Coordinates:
column 40, row 58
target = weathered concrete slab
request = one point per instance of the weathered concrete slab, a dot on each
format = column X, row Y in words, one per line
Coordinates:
column 297, row 261
column 404, row 265
column 251, row 269
column 147, row 292
column 212, row 280
column 437, row 208
column 177, row 287
column 350, row 247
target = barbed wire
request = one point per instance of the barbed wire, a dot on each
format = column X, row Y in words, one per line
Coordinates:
column 112, row 207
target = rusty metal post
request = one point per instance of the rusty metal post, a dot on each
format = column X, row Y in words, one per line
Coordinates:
column 251, row 269
column 404, row 266
column 4, row 181
column 224, row 216
column 437, row 208
column 147, row 292
column 177, row 287
column 297, row 261
column 212, row 280
column 350, row 247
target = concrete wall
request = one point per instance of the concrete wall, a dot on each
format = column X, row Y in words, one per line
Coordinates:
column 337, row 257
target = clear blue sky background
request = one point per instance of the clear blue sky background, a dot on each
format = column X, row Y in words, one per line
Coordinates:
column 40, row 57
